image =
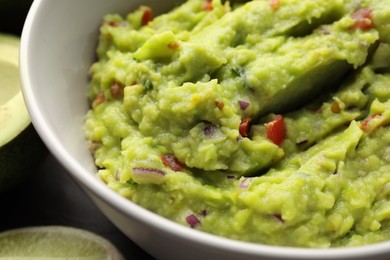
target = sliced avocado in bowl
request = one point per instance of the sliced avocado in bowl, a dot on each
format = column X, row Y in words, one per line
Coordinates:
column 20, row 146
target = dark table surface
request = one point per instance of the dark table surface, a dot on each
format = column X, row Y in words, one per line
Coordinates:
column 50, row 197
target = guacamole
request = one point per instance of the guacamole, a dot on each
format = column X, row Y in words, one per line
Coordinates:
column 264, row 121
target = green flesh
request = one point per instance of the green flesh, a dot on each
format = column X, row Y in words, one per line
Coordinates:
column 8, row 74
column 55, row 242
column 325, row 185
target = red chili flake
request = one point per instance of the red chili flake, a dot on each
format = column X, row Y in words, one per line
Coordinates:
column 276, row 130
column 100, row 98
column 366, row 123
column 363, row 19
column 244, row 126
column 192, row 220
column 173, row 45
column 219, row 104
column 335, row 107
column 275, row 4
column 116, row 90
column 172, row 162
column 207, row 6
column 147, row 15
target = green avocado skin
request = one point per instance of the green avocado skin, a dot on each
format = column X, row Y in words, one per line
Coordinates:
column 19, row 157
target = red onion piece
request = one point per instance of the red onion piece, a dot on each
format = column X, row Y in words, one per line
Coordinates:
column 148, row 175
column 192, row 220
column 245, row 183
column 140, row 170
column 209, row 129
column 243, row 104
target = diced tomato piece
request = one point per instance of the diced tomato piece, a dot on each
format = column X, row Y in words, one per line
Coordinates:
column 275, row 4
column 244, row 126
column 335, row 107
column 147, row 16
column 363, row 19
column 207, row 6
column 172, row 162
column 100, row 98
column 365, row 126
column 276, row 130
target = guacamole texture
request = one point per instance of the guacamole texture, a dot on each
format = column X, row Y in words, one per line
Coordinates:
column 265, row 121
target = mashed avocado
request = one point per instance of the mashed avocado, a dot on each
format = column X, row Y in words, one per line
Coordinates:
column 265, row 121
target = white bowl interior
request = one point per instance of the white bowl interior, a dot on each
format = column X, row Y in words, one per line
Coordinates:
column 57, row 49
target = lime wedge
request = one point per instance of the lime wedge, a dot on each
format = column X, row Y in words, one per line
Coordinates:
column 55, row 242
column 20, row 146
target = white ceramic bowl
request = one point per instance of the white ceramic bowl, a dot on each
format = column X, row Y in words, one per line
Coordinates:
column 57, row 49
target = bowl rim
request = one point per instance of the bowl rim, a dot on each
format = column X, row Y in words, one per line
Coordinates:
column 127, row 207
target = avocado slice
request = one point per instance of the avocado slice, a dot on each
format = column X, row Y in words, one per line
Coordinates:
column 20, row 146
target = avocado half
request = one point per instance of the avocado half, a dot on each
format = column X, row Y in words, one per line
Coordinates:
column 20, row 146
